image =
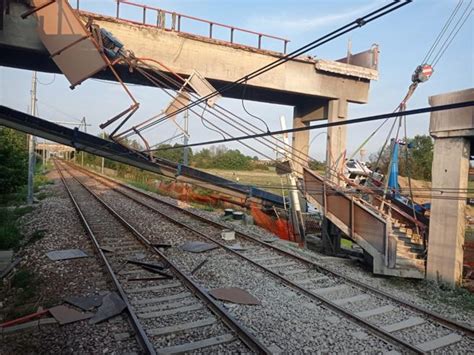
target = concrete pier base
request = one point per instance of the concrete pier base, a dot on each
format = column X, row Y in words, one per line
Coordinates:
column 452, row 131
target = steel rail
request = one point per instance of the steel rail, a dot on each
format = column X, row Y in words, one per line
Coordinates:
column 446, row 322
column 248, row 339
column 142, row 337
column 374, row 329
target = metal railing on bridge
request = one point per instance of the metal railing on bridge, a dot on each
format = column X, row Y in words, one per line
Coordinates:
column 174, row 21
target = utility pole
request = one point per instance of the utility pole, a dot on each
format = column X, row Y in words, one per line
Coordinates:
column 102, row 165
column 186, row 138
column 83, row 122
column 31, row 144
column 295, row 206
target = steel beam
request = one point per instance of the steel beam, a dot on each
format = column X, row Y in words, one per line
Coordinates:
column 114, row 151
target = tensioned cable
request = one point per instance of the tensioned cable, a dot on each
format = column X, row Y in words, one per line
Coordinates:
column 46, row 84
column 245, row 109
column 223, row 111
column 158, row 81
column 339, row 123
column 161, row 84
column 451, row 36
column 382, row 11
column 442, row 32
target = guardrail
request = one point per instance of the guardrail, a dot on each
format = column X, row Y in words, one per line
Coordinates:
column 173, row 21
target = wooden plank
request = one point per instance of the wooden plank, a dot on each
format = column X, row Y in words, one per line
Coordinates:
column 346, row 300
column 281, row 264
column 407, row 323
column 375, row 311
column 168, row 312
column 440, row 342
column 294, row 272
column 167, row 305
column 325, row 290
column 309, row 280
column 197, row 344
column 163, row 299
column 154, row 288
column 182, row 327
column 257, row 260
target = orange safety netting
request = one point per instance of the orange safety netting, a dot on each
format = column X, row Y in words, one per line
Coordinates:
column 185, row 192
column 279, row 227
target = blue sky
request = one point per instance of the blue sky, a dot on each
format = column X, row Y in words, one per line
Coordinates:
column 404, row 37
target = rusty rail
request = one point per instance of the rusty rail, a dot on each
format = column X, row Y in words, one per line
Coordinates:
column 177, row 22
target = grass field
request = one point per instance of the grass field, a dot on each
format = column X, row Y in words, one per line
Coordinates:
column 264, row 179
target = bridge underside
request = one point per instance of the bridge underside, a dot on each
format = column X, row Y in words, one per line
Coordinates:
column 23, row 58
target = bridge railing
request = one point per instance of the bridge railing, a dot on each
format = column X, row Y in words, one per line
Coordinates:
column 174, row 21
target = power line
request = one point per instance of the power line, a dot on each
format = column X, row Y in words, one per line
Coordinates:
column 382, row 11
column 337, row 123
column 453, row 33
column 442, row 32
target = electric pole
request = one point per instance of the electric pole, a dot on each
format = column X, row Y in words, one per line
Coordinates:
column 102, row 165
column 31, row 144
column 186, row 138
column 295, row 206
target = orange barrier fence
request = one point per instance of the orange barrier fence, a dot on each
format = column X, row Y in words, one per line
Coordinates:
column 279, row 227
column 185, row 192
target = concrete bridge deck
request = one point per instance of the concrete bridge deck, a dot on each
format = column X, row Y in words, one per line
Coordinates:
column 293, row 83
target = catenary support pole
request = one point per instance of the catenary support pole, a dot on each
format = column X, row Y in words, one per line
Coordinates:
column 31, row 144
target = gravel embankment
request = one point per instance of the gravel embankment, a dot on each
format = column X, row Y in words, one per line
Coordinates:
column 56, row 280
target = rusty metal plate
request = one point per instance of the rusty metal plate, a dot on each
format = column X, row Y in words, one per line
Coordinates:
column 65, row 315
column 203, row 87
column 370, row 228
column 234, row 295
column 60, row 30
column 340, row 206
column 180, row 101
column 314, row 186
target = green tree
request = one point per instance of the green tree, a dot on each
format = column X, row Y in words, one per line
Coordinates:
column 175, row 154
column 420, row 158
column 421, row 153
column 13, row 160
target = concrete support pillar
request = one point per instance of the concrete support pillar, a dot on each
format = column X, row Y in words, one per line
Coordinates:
column 452, row 131
column 336, row 141
column 447, row 220
column 302, row 116
column 300, row 141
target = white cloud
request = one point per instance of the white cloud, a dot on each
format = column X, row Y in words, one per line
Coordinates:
column 297, row 24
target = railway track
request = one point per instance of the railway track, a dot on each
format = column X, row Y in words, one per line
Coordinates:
column 403, row 324
column 156, row 292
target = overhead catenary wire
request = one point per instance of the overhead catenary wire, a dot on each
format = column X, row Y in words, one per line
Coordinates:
column 217, row 129
column 357, row 23
column 384, row 10
column 218, row 112
column 453, row 34
column 336, row 123
column 442, row 32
